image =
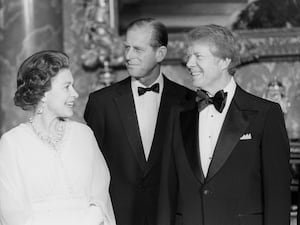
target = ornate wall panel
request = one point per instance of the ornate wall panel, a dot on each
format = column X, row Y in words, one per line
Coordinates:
column 26, row 27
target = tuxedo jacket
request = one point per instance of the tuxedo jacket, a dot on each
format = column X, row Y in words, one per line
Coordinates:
column 111, row 114
column 248, row 181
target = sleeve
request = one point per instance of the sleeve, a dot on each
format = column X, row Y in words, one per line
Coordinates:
column 276, row 169
column 99, row 198
column 14, row 203
column 89, row 110
column 94, row 117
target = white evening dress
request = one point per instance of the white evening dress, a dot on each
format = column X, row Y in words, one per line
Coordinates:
column 43, row 186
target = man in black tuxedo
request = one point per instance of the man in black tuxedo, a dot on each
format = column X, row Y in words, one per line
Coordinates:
column 129, row 122
column 228, row 163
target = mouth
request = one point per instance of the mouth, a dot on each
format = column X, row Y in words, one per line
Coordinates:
column 196, row 73
column 131, row 65
column 70, row 104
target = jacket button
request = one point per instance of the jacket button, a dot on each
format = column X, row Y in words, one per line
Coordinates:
column 205, row 192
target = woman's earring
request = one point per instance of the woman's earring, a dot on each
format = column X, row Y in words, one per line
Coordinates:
column 40, row 110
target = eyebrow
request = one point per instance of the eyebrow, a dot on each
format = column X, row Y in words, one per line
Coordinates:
column 67, row 82
column 194, row 53
column 135, row 46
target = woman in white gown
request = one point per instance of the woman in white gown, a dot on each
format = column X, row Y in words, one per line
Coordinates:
column 51, row 169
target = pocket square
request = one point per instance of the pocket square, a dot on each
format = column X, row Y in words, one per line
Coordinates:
column 246, row 137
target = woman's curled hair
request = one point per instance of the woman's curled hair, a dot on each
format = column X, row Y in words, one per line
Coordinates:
column 34, row 77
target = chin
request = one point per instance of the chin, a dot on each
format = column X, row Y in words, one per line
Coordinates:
column 68, row 114
column 134, row 73
column 197, row 84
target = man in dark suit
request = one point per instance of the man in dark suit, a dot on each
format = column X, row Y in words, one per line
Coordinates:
column 129, row 122
column 228, row 163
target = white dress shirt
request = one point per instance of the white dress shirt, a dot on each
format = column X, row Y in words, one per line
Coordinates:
column 210, row 123
column 147, row 106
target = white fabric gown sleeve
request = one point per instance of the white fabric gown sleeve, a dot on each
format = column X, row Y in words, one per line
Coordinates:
column 14, row 205
column 99, row 190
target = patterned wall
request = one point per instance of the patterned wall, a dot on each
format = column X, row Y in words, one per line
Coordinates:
column 254, row 77
column 26, row 27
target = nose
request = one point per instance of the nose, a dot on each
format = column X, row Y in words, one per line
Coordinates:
column 191, row 61
column 129, row 53
column 74, row 93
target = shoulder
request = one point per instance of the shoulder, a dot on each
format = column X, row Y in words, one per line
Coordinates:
column 104, row 98
column 110, row 91
column 176, row 85
column 80, row 134
column 14, row 138
column 251, row 101
column 178, row 89
column 79, row 127
column 15, row 132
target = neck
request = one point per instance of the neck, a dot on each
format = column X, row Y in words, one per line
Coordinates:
column 223, row 82
column 50, row 132
column 44, row 123
column 149, row 79
column 47, row 125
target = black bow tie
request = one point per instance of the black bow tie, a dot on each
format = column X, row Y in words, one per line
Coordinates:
column 219, row 100
column 154, row 87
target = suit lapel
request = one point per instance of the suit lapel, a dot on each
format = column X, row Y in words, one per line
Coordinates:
column 168, row 98
column 189, row 130
column 125, row 104
column 235, row 123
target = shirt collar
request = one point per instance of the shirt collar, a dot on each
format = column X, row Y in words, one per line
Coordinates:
column 135, row 83
column 230, row 89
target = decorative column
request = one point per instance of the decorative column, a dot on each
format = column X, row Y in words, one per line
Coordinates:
column 26, row 26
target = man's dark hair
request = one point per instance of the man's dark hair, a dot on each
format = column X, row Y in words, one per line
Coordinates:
column 159, row 30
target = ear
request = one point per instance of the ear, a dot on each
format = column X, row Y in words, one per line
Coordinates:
column 224, row 63
column 161, row 53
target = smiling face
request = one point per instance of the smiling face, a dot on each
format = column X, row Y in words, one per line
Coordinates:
column 208, row 71
column 142, row 60
column 60, row 98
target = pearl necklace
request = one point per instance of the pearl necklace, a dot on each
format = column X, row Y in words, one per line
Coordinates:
column 53, row 139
